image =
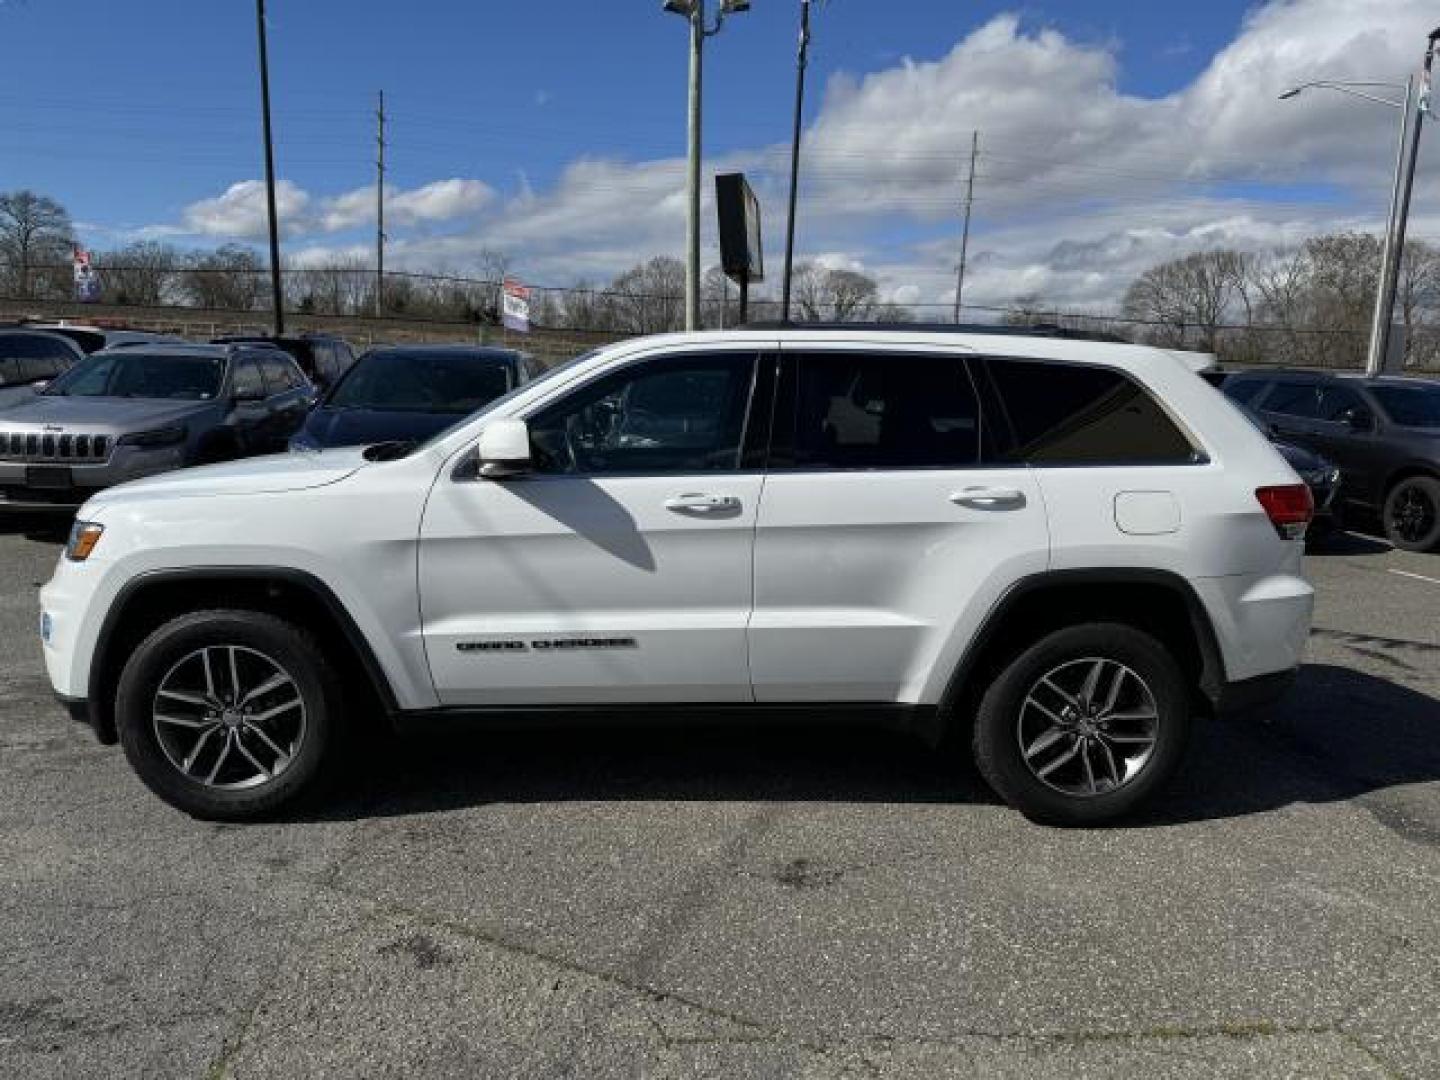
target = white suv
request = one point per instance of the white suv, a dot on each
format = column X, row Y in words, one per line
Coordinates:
column 1060, row 549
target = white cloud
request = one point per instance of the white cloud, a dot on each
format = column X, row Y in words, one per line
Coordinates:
column 1080, row 187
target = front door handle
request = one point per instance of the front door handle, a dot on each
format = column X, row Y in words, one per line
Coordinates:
column 700, row 503
column 989, row 498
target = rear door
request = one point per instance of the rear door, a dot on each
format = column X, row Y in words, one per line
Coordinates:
column 883, row 536
column 249, row 418
column 1345, row 430
column 287, row 399
column 1291, row 409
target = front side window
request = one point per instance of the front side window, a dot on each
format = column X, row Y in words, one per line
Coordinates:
column 131, row 373
column 1299, row 399
column 1336, row 402
column 856, row 410
column 249, row 385
column 669, row 415
column 1075, row 414
column 280, row 375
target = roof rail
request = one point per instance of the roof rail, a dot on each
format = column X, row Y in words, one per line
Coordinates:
column 1048, row 330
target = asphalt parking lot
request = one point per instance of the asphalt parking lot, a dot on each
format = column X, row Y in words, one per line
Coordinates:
column 745, row 903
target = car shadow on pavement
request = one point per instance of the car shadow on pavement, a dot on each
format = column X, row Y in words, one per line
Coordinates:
column 1339, row 735
column 43, row 528
column 1347, row 543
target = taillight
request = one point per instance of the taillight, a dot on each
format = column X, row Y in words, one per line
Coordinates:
column 1289, row 508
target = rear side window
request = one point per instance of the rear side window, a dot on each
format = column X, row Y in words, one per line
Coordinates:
column 1074, row 414
column 857, row 410
column 30, row 357
column 1336, row 401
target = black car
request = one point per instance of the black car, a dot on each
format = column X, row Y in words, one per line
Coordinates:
column 1383, row 432
column 323, row 359
column 92, row 339
column 411, row 392
column 31, row 358
column 1321, row 476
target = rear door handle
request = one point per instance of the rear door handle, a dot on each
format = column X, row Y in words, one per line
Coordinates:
column 700, row 503
column 989, row 498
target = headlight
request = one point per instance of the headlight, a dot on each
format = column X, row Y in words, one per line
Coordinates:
column 84, row 535
column 148, row 440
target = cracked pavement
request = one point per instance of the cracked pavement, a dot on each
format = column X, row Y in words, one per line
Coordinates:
column 744, row 902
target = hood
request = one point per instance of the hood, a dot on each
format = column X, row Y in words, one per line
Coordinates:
column 250, row 476
column 119, row 415
column 1300, row 459
column 360, row 427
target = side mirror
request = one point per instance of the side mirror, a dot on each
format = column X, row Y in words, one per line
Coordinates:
column 504, row 449
column 1358, row 418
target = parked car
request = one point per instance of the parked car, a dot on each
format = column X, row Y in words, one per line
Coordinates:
column 410, row 393
column 31, row 358
column 1001, row 536
column 92, row 339
column 125, row 413
column 1383, row 432
column 322, row 358
column 1321, row 475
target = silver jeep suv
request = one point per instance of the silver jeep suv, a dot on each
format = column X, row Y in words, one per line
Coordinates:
column 124, row 413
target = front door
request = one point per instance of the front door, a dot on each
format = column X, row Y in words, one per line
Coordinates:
column 620, row 569
column 880, row 525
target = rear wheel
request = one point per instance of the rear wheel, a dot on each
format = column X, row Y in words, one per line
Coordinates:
column 228, row 715
column 1412, row 514
column 1084, row 725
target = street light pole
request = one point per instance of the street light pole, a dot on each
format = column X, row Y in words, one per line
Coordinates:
column 800, row 63
column 1392, row 249
column 277, row 292
column 694, row 12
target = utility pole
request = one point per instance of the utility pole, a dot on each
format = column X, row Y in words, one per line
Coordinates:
column 1412, row 120
column 380, row 207
column 801, row 60
column 965, row 232
column 277, row 291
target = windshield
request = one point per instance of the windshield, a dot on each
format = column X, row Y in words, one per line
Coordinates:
column 1411, row 406
column 430, row 382
column 131, row 373
column 545, row 376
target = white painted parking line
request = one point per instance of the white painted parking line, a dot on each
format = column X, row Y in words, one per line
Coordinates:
column 1407, row 573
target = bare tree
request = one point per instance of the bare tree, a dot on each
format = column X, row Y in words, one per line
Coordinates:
column 1190, row 293
column 35, row 231
column 229, row 277
column 1417, row 297
column 825, row 295
column 650, row 298
column 139, row 273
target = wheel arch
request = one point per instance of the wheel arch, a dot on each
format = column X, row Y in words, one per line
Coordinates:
column 152, row 598
column 1159, row 602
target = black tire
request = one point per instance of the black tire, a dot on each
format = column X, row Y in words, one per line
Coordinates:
column 293, row 651
column 1411, row 515
column 1002, row 714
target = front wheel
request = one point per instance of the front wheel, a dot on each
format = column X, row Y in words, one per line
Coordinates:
column 1084, row 725
column 1412, row 514
column 228, row 715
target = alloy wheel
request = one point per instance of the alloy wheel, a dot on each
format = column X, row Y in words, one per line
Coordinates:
column 1412, row 515
column 229, row 717
column 1088, row 727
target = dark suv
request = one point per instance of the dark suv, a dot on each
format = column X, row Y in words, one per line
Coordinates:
column 323, row 359
column 31, row 358
column 1383, row 432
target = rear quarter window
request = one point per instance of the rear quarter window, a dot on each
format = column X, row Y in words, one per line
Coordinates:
column 1078, row 414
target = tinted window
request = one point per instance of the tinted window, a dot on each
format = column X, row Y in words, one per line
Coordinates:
column 407, row 380
column 1244, row 391
column 32, row 357
column 280, row 375
column 248, row 382
column 1293, row 399
column 10, row 373
column 875, row 411
column 1412, row 406
column 660, row 416
column 1335, row 401
column 1071, row 414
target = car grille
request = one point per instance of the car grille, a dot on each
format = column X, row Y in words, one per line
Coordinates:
column 33, row 446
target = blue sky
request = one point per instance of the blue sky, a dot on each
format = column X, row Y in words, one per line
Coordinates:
column 132, row 114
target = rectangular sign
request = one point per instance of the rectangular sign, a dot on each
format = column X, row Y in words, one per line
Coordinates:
column 515, row 306
column 87, row 281
column 742, row 255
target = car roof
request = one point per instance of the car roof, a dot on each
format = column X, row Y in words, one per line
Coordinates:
column 179, row 348
column 479, row 352
column 1294, row 375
